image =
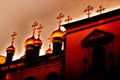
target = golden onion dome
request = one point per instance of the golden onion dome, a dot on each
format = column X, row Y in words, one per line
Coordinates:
column 29, row 41
column 10, row 48
column 48, row 51
column 57, row 33
column 37, row 42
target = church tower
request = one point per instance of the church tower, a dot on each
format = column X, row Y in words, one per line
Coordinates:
column 29, row 46
column 57, row 37
column 37, row 43
column 10, row 50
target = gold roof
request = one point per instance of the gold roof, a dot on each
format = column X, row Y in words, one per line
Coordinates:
column 57, row 33
column 10, row 48
column 29, row 41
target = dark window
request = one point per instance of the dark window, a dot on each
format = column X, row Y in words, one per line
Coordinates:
column 30, row 78
column 98, row 59
column 52, row 76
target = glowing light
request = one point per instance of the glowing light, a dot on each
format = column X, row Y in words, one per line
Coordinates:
column 7, row 76
column 62, row 46
column 62, row 28
column 37, row 41
column 57, row 33
column 29, row 41
column 49, row 51
column 2, row 59
column 42, row 52
column 10, row 48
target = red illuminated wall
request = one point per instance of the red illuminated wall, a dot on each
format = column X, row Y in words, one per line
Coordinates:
column 39, row 72
column 75, row 53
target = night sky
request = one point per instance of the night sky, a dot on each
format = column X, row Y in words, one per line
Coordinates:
column 19, row 15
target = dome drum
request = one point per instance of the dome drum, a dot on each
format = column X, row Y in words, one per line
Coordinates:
column 29, row 47
column 10, row 52
column 57, row 39
column 37, row 44
column 57, row 47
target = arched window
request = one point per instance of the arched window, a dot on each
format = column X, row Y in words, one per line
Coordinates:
column 52, row 76
column 30, row 78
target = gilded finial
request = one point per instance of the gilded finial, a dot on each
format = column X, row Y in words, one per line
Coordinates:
column 34, row 25
column 13, row 37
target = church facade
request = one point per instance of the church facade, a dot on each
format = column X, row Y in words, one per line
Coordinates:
column 91, row 52
column 92, row 46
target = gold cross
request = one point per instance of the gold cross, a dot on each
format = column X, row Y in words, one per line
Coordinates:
column 39, row 29
column 88, row 10
column 13, row 37
column 60, row 16
column 100, row 9
column 34, row 26
column 68, row 19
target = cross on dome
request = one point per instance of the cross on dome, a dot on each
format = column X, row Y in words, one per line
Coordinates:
column 100, row 9
column 88, row 10
column 39, row 29
column 34, row 25
column 68, row 19
column 59, row 18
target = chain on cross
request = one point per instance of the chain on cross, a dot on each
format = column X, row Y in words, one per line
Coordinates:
column 35, row 24
column 39, row 29
column 88, row 10
column 59, row 18
column 68, row 19
column 49, row 42
column 13, row 37
column 100, row 9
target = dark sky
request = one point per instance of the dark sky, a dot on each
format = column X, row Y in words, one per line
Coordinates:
column 18, row 15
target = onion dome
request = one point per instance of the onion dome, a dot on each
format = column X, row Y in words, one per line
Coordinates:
column 37, row 42
column 48, row 51
column 57, row 33
column 10, row 48
column 29, row 41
